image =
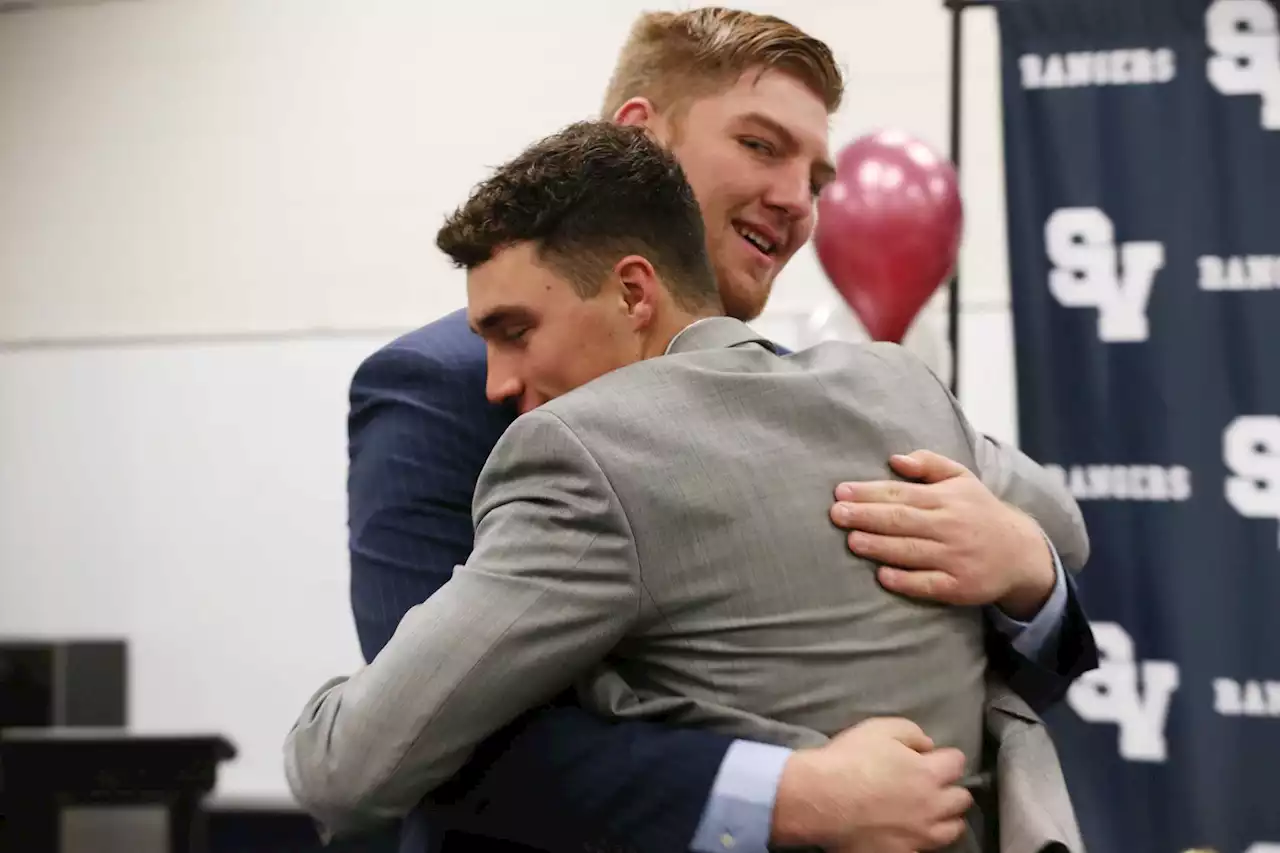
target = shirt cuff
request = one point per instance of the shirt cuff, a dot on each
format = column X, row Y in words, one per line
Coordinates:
column 739, row 812
column 1037, row 640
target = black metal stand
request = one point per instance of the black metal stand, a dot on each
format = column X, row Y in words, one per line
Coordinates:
column 957, row 8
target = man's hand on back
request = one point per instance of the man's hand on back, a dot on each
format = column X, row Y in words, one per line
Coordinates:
column 946, row 537
column 879, row 787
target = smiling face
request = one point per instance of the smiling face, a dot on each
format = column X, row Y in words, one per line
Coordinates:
column 756, row 155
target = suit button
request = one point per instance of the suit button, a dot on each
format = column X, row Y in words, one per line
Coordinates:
column 727, row 841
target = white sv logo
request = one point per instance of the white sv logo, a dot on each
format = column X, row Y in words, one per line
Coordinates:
column 1133, row 695
column 1244, row 36
column 1089, row 272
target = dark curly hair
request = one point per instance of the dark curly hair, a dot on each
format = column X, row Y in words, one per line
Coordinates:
column 586, row 197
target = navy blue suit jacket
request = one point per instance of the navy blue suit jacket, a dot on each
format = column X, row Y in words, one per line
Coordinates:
column 558, row 778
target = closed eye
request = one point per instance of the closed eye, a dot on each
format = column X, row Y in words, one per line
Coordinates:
column 758, row 145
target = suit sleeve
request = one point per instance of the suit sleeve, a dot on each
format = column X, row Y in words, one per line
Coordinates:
column 551, row 587
column 417, row 445
column 415, row 459
column 612, row 785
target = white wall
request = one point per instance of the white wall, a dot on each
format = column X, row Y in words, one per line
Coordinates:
column 209, row 212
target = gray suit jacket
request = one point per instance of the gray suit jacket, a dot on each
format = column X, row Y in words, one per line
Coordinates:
column 659, row 539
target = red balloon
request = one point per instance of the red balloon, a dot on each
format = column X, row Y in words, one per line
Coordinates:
column 889, row 228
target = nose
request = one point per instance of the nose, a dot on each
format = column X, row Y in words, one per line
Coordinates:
column 791, row 192
column 502, row 383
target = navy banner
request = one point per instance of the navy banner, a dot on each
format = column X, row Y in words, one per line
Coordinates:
column 1142, row 142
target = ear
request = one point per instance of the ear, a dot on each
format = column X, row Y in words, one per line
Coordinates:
column 636, row 112
column 641, row 289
